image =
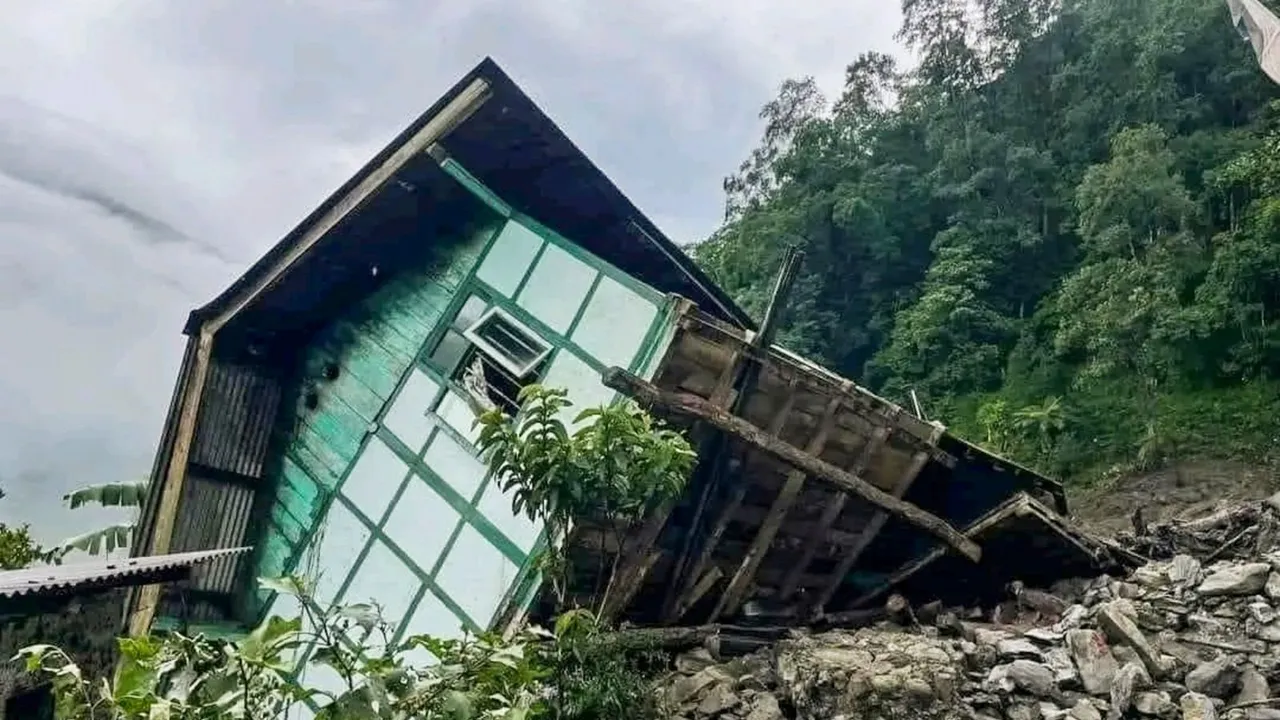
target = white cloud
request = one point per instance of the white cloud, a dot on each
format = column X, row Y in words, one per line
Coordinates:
column 150, row 150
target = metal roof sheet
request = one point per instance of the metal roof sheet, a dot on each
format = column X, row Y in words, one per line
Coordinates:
column 51, row 579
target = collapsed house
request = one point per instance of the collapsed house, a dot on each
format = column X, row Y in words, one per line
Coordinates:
column 324, row 412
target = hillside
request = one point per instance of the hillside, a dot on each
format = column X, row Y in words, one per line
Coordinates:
column 1060, row 229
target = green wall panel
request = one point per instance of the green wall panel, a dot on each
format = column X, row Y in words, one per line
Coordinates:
column 372, row 345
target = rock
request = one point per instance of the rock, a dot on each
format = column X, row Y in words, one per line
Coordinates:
column 1272, row 588
column 1023, row 711
column 1184, row 570
column 1215, row 678
column 1064, row 671
column 1093, row 659
column 1032, row 677
column 765, row 707
column 1155, row 703
column 694, row 660
column 1018, row 648
column 1242, row 579
column 690, row 688
column 1197, row 707
column 1084, row 710
column 1131, row 678
column 1116, row 620
column 1253, row 686
column 719, row 699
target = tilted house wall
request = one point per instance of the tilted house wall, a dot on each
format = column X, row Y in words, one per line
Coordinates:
column 324, row 410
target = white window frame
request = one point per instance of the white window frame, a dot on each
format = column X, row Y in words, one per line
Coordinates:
column 472, row 334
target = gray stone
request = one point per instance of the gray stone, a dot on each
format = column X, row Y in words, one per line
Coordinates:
column 719, row 699
column 690, row 688
column 1084, row 710
column 1032, row 677
column 694, row 661
column 1184, row 570
column 1116, row 620
column 1197, row 707
column 1064, row 671
column 1253, row 686
column 1023, row 711
column 1131, row 678
column 765, row 707
column 1215, row 678
column 1242, row 579
column 1093, row 658
column 1155, row 703
column 1272, row 588
column 1018, row 648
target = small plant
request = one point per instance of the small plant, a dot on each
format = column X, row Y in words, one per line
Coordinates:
column 617, row 464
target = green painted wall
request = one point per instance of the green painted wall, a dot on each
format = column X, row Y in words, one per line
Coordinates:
column 380, row 492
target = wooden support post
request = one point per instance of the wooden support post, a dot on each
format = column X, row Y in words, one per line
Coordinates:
column 696, row 592
column 692, row 405
column 873, row 527
column 746, row 573
column 696, row 574
column 175, row 477
column 640, row 558
column 830, row 514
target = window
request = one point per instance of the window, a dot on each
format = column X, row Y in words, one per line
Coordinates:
column 491, row 355
column 511, row 344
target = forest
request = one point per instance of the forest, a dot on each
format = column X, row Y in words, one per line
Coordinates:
column 1059, row 229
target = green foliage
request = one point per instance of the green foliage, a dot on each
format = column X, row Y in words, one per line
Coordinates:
column 615, row 465
column 18, row 549
column 1074, row 200
column 120, row 535
column 575, row 673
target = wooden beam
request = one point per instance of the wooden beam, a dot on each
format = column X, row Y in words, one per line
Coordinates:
column 831, row 513
column 175, row 476
column 454, row 113
column 786, row 498
column 640, row 558
column 869, row 532
column 695, row 577
column 698, row 590
column 692, row 405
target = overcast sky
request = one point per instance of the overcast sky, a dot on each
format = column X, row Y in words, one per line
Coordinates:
column 150, row 150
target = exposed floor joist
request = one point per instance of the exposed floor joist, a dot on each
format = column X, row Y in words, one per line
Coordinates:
column 830, row 514
column 873, row 527
column 742, row 578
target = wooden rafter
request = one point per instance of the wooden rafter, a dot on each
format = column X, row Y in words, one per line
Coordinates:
column 694, row 406
column 684, row 601
column 869, row 532
column 830, row 514
column 782, row 503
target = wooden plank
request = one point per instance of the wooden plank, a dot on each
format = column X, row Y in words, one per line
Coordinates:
column 873, row 527
column 453, row 114
column 706, row 581
column 696, row 575
column 691, row 405
column 171, row 492
column 830, row 514
column 746, row 572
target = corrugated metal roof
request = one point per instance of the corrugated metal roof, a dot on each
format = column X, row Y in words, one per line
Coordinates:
column 75, row 576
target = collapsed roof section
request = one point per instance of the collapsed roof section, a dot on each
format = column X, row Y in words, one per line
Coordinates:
column 819, row 498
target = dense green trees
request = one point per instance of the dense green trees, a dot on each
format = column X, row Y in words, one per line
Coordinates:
column 1060, row 229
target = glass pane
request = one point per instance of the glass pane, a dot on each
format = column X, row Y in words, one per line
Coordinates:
column 455, row 464
column 476, row 575
column 495, row 505
column 586, row 389
column 517, row 345
column 343, row 537
column 509, row 258
column 456, row 411
column 614, row 325
column 421, row 523
column 450, row 351
column 374, row 479
column 470, row 312
column 433, row 618
column 557, row 288
column 407, row 417
column 384, row 578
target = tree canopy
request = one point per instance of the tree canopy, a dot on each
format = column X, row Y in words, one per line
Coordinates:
column 1067, row 204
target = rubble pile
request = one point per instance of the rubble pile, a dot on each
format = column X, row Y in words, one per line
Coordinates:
column 1191, row 634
